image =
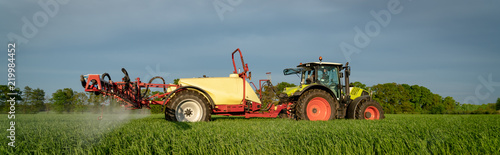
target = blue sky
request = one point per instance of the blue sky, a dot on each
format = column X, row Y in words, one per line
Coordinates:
column 451, row 47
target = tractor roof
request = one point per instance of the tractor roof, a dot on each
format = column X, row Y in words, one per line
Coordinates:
column 320, row 63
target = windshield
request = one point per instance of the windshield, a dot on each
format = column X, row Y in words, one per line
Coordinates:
column 328, row 76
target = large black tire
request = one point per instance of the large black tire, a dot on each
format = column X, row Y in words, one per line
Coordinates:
column 365, row 109
column 188, row 106
column 316, row 104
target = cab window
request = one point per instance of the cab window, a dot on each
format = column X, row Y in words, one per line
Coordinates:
column 327, row 76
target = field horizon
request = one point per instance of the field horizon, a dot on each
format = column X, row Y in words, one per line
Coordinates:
column 152, row 134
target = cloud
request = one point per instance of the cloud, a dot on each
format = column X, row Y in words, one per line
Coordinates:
column 442, row 45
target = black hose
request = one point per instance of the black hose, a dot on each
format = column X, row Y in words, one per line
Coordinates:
column 108, row 85
column 106, row 75
column 125, row 72
column 136, row 91
column 151, row 80
column 270, row 86
column 84, row 83
column 126, row 79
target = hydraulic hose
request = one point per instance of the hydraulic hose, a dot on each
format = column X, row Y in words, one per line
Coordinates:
column 84, row 83
column 151, row 80
column 126, row 79
column 270, row 86
column 106, row 75
column 107, row 86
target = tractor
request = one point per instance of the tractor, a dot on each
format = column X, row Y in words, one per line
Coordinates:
column 320, row 95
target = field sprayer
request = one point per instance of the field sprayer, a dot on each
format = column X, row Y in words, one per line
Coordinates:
column 320, row 95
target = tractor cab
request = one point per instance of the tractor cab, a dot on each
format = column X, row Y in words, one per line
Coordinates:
column 316, row 73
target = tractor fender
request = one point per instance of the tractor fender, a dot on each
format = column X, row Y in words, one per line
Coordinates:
column 316, row 86
column 188, row 87
column 352, row 106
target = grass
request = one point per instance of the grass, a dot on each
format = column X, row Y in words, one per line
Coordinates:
column 397, row 134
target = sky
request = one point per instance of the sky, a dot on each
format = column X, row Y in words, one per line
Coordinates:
column 451, row 47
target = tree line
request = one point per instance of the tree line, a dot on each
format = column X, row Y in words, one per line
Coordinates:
column 30, row 101
column 394, row 98
column 403, row 98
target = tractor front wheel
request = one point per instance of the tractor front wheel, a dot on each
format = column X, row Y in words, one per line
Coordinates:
column 370, row 110
column 188, row 106
column 315, row 105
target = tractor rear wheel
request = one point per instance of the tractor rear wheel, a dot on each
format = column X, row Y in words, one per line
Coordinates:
column 188, row 106
column 316, row 104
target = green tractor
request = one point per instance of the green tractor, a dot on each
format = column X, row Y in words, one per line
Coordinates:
column 322, row 96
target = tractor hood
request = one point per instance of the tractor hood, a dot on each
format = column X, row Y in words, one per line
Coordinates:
column 290, row 90
column 223, row 90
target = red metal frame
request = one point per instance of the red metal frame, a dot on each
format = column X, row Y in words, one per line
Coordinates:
column 260, row 87
column 119, row 91
column 130, row 94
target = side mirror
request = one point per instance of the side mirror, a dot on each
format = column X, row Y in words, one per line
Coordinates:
column 341, row 75
column 249, row 75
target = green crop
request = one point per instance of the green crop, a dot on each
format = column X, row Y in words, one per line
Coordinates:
column 397, row 134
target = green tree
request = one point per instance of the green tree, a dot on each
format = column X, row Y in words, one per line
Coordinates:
column 491, row 108
column 438, row 109
column 96, row 101
column 34, row 100
column 403, row 98
column 449, row 103
column 4, row 96
column 28, row 100
column 48, row 105
column 80, row 101
column 62, row 100
column 390, row 95
column 359, row 85
column 39, row 96
column 421, row 97
column 498, row 104
column 437, row 101
column 281, row 86
column 176, row 81
column 268, row 95
column 406, row 107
